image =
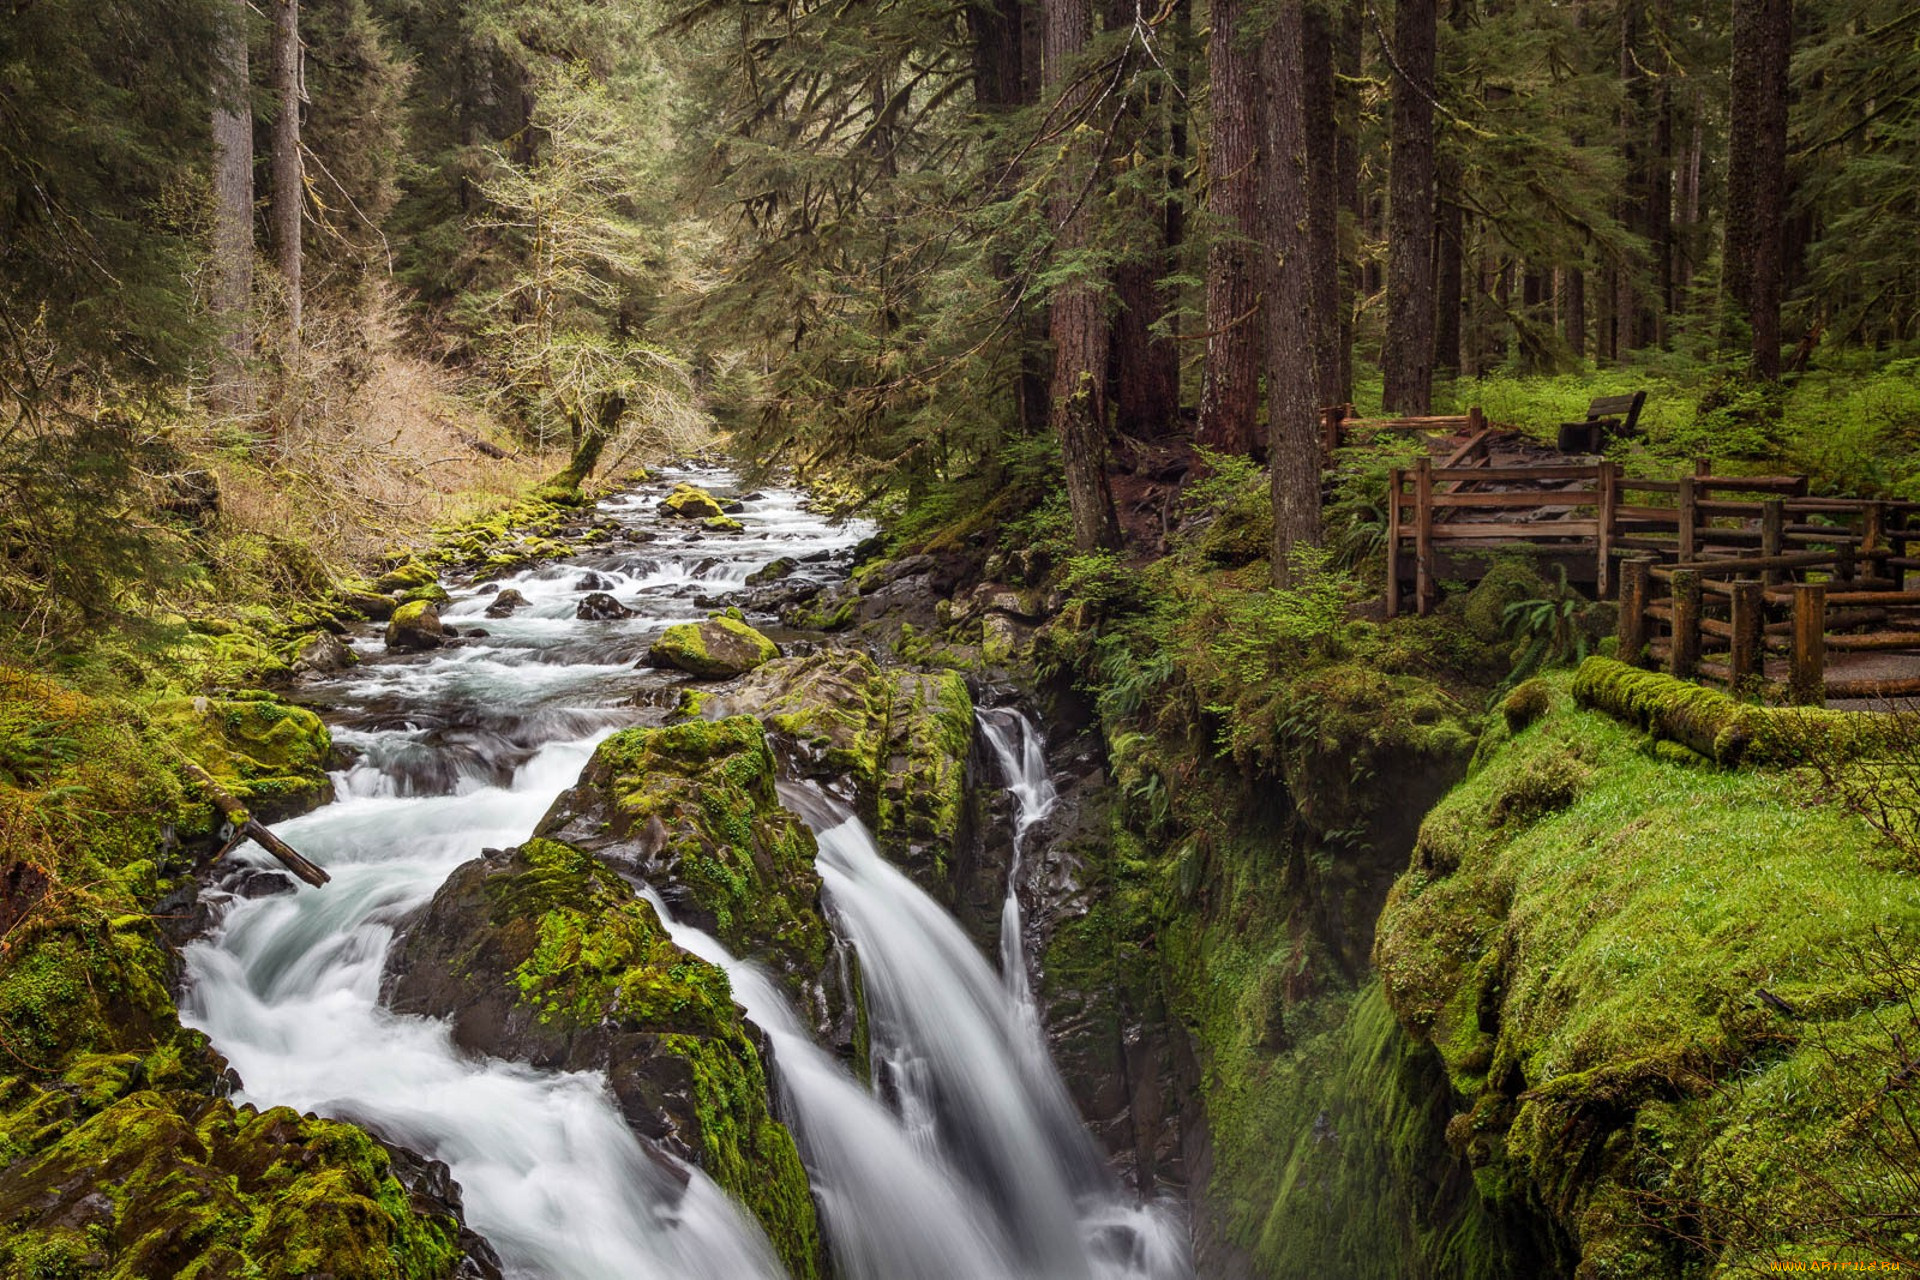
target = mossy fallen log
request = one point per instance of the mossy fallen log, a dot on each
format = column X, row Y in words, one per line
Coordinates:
column 1729, row 731
column 245, row 824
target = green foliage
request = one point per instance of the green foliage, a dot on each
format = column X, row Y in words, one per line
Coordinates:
column 1547, row 629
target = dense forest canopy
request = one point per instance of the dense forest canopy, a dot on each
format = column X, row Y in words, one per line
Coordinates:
column 921, row 249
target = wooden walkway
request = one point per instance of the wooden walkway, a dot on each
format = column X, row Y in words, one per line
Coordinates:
column 1743, row 580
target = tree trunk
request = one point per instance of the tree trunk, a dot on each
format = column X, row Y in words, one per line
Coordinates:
column 1293, row 418
column 1230, row 391
column 1575, row 313
column 1323, row 209
column 1407, row 358
column 1757, row 172
column 1145, row 367
column 1078, row 324
column 1346, row 165
column 289, row 195
column 232, row 300
column 1448, row 283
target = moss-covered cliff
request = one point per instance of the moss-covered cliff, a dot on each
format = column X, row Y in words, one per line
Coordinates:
column 1667, row 997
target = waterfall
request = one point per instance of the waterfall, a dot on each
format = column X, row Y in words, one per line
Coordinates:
column 1020, row 750
column 964, row 1161
column 980, row 1168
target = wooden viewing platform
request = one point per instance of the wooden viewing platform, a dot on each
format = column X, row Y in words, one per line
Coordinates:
column 1747, row 581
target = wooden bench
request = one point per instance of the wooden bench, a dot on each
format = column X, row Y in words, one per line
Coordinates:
column 1608, row 417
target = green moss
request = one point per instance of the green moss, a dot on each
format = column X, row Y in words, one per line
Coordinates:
column 585, row 954
column 177, row 1185
column 690, row 502
column 706, row 789
column 1587, row 955
column 722, row 524
column 717, row 648
column 270, row 754
column 1527, row 703
column 411, row 612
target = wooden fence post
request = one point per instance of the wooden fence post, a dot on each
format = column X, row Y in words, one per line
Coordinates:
column 1424, row 587
column 1747, row 662
column 1636, row 581
column 1395, row 490
column 1807, row 679
column 1607, row 500
column 1683, row 658
column 1873, row 535
column 1773, row 534
column 1330, row 428
column 1689, row 517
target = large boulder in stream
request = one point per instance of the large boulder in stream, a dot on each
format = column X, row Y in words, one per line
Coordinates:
column 897, row 738
column 601, row 607
column 545, row 955
column 416, row 626
column 717, row 649
column 690, row 502
column 690, row 809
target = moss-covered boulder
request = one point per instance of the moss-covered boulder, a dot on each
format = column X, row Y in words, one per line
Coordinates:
column 319, row 653
column 408, row 575
column 361, row 600
column 119, row 1156
column 1661, row 993
column 178, row 1184
column 690, row 502
column 416, row 626
column 691, row 809
column 270, row 754
column 717, row 649
column 773, row 571
column 722, row 524
column 901, row 737
column 546, row 955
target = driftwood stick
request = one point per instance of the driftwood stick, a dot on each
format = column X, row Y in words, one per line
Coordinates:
column 246, row 824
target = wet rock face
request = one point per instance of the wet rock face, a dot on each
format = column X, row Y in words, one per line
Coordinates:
column 545, row 955
column 601, row 607
column 505, row 602
column 717, row 649
column 416, row 626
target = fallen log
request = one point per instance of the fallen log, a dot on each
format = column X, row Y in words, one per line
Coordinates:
column 247, row 826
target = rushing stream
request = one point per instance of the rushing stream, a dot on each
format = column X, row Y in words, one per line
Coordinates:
column 966, row 1159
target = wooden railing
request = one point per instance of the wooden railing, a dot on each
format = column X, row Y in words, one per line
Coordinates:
column 1720, row 619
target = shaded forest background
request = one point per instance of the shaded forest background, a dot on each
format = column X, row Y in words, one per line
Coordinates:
column 282, row 284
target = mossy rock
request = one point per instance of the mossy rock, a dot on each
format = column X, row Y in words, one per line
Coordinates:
column 544, row 954
column 691, row 808
column 722, row 524
column 1242, row 533
column 270, row 754
column 717, row 649
column 902, row 737
column 176, row 1184
column 363, row 601
column 690, row 502
column 416, row 626
column 773, row 571
column 1508, row 581
column 410, row 575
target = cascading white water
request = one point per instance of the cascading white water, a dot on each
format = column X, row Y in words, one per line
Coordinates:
column 461, row 750
column 965, row 1162
column 1021, row 752
column 980, row 1169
